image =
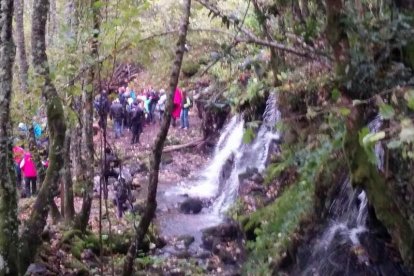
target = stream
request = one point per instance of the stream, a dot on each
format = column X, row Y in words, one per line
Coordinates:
column 217, row 184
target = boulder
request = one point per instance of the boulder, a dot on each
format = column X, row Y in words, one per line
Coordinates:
column 136, row 168
column 226, row 169
column 225, row 232
column 166, row 158
column 37, row 269
column 187, row 240
column 191, row 206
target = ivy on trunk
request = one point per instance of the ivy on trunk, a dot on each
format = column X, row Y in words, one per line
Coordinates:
column 31, row 239
column 8, row 196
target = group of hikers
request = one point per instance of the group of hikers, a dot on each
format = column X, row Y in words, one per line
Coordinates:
column 131, row 110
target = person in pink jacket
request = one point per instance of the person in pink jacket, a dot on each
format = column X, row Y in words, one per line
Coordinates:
column 28, row 168
column 177, row 106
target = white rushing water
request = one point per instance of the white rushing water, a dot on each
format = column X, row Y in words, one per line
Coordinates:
column 232, row 157
column 348, row 214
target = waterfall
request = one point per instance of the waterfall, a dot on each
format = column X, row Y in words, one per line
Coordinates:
column 348, row 214
column 247, row 156
column 220, row 179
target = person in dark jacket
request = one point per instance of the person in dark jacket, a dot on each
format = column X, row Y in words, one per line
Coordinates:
column 111, row 162
column 137, row 119
column 102, row 107
column 117, row 115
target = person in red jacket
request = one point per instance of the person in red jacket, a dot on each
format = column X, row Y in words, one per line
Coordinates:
column 177, row 105
column 30, row 174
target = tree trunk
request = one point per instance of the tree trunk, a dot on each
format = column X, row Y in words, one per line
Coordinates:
column 67, row 180
column 335, row 32
column 8, row 195
column 274, row 54
column 56, row 122
column 158, row 147
column 21, row 45
column 52, row 22
column 54, row 212
column 87, row 99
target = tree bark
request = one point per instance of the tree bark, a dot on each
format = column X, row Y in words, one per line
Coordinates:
column 21, row 45
column 67, row 180
column 52, row 22
column 87, row 99
column 336, row 34
column 56, row 121
column 8, row 194
column 274, row 55
column 158, row 146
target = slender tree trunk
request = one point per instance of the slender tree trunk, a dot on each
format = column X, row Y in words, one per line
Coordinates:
column 158, row 147
column 274, row 54
column 21, row 45
column 56, row 121
column 8, row 195
column 52, row 22
column 336, row 35
column 87, row 98
column 67, row 180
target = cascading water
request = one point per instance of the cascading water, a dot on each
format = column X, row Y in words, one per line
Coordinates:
column 252, row 155
column 231, row 158
column 338, row 251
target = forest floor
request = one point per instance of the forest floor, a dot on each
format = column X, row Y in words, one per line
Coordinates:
column 60, row 254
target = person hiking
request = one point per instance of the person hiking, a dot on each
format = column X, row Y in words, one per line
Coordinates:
column 136, row 122
column 161, row 104
column 18, row 154
column 28, row 168
column 154, row 97
column 117, row 115
column 102, row 107
column 177, row 106
column 186, row 104
column 111, row 162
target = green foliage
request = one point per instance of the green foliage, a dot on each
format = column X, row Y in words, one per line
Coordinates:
column 190, row 68
column 276, row 224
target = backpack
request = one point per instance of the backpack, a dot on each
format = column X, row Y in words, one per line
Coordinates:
column 191, row 102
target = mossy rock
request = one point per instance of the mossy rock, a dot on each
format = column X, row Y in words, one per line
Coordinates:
column 78, row 188
column 190, row 68
column 79, row 242
column 77, row 266
column 119, row 243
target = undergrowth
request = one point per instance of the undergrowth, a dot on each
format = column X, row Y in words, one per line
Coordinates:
column 276, row 224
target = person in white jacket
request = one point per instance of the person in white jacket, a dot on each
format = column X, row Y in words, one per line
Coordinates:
column 161, row 104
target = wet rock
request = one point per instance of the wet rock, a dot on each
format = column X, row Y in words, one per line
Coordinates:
column 191, row 206
column 224, row 232
column 253, row 175
column 138, row 208
column 136, row 168
column 203, row 255
column 227, row 169
column 184, row 172
column 166, row 159
column 37, row 269
column 160, row 242
column 186, row 239
column 183, row 254
column 136, row 183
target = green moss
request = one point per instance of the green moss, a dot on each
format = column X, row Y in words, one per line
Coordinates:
column 190, row 68
column 79, row 241
column 274, row 226
column 381, row 196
